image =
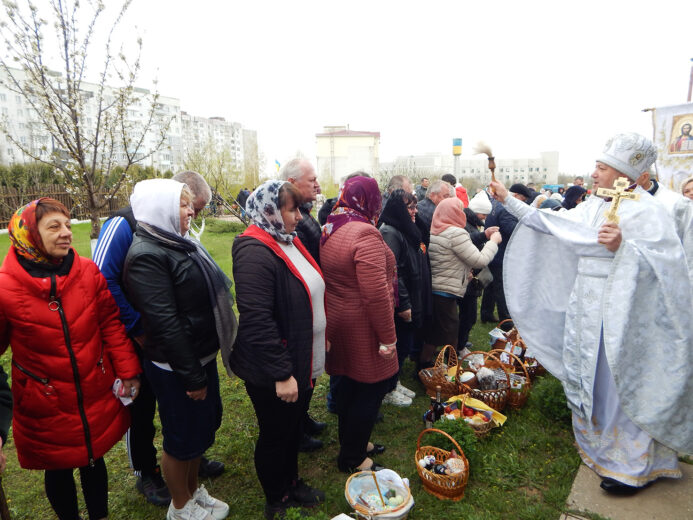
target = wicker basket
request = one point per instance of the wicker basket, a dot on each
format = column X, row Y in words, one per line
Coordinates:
column 480, row 430
column 435, row 376
column 446, row 487
column 513, row 336
column 497, row 398
column 516, row 399
column 362, row 511
column 500, row 343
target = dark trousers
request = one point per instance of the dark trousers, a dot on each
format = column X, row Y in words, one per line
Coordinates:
column 357, row 409
column 405, row 342
column 332, row 394
column 276, row 450
column 140, row 436
column 498, row 292
column 467, row 313
column 488, row 303
column 62, row 493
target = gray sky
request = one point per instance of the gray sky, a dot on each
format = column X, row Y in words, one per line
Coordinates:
column 525, row 76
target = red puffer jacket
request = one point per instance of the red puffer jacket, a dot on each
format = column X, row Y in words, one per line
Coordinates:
column 64, row 361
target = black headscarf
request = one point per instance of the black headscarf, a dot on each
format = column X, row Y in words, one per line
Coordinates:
column 396, row 215
column 572, row 195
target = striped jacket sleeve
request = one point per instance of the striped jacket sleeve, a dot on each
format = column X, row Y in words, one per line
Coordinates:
column 111, row 249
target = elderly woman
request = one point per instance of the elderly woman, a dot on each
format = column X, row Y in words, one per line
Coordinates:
column 185, row 304
column 280, row 348
column 68, row 347
column 687, row 188
column 453, row 256
column 359, row 274
column 401, row 234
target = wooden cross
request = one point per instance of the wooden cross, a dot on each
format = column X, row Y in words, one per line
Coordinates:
column 617, row 193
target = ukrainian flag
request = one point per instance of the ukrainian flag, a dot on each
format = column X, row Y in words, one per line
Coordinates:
column 277, row 164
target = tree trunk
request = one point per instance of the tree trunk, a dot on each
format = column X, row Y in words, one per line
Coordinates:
column 95, row 224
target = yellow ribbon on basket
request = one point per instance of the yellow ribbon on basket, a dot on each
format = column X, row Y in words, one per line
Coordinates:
column 498, row 417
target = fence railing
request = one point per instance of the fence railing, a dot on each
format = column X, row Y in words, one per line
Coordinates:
column 13, row 198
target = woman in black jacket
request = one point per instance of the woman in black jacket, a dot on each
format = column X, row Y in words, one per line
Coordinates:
column 404, row 237
column 280, row 348
column 186, row 308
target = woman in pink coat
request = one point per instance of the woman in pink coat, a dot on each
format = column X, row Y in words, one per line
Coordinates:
column 359, row 277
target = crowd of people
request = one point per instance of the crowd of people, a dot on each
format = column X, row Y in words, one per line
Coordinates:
column 377, row 278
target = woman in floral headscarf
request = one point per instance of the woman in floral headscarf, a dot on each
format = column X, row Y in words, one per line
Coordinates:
column 280, row 347
column 68, row 347
column 359, row 273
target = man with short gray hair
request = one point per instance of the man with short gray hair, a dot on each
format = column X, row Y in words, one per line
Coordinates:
column 300, row 172
column 437, row 191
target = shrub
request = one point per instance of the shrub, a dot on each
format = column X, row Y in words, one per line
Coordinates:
column 224, row 226
column 550, row 399
column 462, row 433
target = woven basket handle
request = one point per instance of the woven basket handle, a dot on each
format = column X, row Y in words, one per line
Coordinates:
column 519, row 361
column 452, row 357
column 504, row 321
column 436, row 430
column 487, row 355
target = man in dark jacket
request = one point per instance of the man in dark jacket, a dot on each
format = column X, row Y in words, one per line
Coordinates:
column 302, row 174
column 506, row 223
column 109, row 255
column 437, row 191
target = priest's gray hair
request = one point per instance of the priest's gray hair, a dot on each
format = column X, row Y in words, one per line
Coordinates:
column 197, row 184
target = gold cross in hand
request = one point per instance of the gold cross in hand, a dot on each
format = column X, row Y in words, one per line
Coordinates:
column 617, row 193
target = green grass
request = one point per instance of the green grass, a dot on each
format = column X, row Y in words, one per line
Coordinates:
column 523, row 470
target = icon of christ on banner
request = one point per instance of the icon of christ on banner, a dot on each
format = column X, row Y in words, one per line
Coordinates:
column 681, row 135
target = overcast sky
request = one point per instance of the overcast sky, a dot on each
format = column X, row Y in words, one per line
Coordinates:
column 525, row 76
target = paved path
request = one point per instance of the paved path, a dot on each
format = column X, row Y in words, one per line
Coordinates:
column 666, row 499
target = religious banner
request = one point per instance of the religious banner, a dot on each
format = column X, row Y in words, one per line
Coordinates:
column 673, row 136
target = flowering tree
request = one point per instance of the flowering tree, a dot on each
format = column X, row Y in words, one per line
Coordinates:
column 84, row 130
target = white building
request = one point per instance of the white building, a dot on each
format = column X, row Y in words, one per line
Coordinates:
column 540, row 170
column 341, row 151
column 202, row 132
column 184, row 133
column 24, row 124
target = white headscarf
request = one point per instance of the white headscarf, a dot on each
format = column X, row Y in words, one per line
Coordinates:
column 157, row 202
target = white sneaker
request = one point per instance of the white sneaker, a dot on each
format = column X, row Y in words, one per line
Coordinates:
column 405, row 391
column 190, row 511
column 216, row 507
column 396, row 399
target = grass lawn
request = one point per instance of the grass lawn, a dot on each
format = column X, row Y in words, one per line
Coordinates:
column 523, row 470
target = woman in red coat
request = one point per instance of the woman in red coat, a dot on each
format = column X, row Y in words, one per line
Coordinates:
column 359, row 274
column 68, row 347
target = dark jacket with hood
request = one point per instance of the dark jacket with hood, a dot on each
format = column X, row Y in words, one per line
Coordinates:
column 275, row 329
column 169, row 291
column 404, row 238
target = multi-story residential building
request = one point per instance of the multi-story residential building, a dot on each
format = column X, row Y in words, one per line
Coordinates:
column 201, row 133
column 341, row 151
column 184, row 131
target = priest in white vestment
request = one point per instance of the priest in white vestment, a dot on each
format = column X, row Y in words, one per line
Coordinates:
column 606, row 308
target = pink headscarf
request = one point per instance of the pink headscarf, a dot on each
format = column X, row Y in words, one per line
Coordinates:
column 449, row 213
